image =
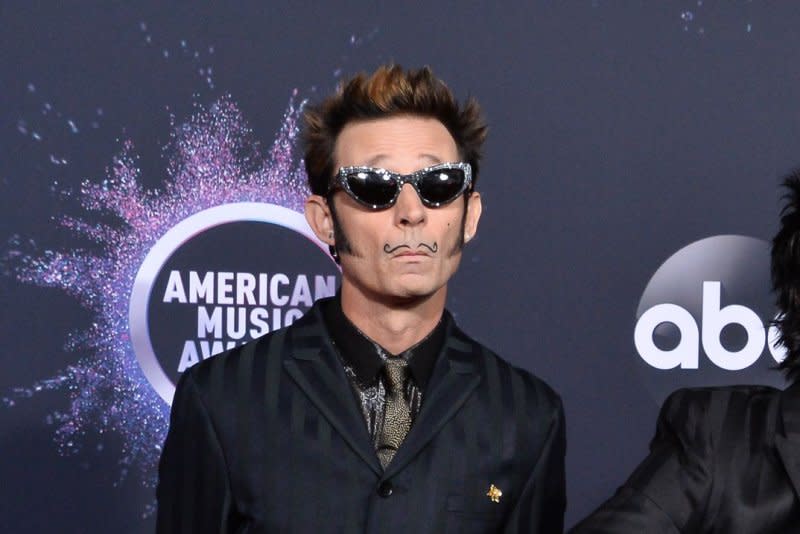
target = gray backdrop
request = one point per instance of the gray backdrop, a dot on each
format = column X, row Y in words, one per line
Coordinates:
column 621, row 132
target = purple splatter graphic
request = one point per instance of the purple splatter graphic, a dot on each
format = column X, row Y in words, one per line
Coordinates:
column 213, row 160
column 205, row 71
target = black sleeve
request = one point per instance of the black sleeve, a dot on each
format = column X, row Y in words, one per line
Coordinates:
column 668, row 492
column 193, row 492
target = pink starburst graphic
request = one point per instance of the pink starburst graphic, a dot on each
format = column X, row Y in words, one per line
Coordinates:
column 213, row 160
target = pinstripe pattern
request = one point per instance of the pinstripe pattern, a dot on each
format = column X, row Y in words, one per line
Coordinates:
column 724, row 460
column 269, row 438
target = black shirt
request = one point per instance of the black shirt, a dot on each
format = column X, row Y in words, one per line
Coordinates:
column 363, row 359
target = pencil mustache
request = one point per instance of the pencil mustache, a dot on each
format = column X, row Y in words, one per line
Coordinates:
column 434, row 247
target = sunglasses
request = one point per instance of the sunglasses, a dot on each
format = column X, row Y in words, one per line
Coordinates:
column 378, row 189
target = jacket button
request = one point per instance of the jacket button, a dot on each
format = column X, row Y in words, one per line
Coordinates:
column 385, row 489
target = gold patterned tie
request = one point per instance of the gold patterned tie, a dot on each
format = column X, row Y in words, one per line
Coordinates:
column 396, row 411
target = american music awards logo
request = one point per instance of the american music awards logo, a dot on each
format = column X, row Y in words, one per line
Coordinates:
column 218, row 255
column 220, row 278
column 172, row 268
column 704, row 318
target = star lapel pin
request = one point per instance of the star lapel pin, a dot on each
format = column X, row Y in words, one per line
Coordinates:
column 494, row 493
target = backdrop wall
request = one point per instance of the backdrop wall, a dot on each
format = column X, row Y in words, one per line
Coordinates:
column 626, row 142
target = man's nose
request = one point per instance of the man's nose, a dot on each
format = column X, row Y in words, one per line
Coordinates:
column 409, row 209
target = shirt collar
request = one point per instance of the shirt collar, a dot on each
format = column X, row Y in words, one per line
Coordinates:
column 365, row 356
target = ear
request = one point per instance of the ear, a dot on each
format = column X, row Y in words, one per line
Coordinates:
column 474, row 208
column 318, row 215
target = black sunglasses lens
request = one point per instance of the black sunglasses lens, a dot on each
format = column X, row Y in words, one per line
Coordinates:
column 441, row 186
column 372, row 188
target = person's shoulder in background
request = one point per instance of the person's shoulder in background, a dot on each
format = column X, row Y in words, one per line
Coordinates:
column 700, row 433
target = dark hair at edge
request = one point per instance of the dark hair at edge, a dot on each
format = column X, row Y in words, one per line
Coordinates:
column 388, row 92
column 785, row 272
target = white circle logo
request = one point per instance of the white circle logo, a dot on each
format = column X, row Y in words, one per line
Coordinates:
column 224, row 302
column 704, row 318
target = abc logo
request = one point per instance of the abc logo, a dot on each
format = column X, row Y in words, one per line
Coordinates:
column 715, row 319
column 704, row 318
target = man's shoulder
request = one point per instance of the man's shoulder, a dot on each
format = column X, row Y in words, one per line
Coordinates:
column 725, row 398
column 722, row 413
column 497, row 372
column 273, row 345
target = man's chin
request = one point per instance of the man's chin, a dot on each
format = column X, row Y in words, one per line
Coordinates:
column 411, row 294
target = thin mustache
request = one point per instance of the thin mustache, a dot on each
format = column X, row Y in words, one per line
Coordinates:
column 434, row 248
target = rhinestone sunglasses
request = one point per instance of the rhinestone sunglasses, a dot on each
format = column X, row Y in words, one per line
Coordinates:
column 378, row 189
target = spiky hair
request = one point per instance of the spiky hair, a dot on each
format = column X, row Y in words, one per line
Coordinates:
column 785, row 271
column 387, row 92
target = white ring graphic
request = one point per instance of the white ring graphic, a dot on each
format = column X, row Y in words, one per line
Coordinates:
column 163, row 250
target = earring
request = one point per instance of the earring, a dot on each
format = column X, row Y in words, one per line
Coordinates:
column 334, row 254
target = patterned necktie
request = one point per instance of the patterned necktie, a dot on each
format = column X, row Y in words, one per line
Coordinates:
column 397, row 411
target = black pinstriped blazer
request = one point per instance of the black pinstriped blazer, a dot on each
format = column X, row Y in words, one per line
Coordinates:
column 724, row 460
column 268, row 438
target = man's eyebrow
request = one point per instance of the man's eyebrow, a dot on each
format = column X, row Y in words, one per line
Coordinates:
column 433, row 159
column 376, row 160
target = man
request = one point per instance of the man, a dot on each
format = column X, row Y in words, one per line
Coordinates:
column 725, row 459
column 374, row 412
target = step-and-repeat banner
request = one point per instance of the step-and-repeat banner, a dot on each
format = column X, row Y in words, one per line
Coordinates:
column 151, row 193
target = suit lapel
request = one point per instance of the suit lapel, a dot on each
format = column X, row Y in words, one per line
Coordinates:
column 453, row 380
column 317, row 371
column 788, row 444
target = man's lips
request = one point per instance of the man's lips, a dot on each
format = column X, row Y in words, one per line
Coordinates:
column 411, row 253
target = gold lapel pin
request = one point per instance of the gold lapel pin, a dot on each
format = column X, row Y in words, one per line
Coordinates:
column 494, row 493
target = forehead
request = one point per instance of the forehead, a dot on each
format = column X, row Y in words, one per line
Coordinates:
column 401, row 143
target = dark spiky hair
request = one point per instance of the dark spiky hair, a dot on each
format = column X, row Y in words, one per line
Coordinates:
column 389, row 91
column 785, row 270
